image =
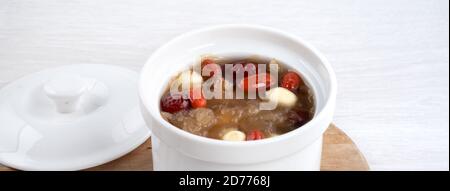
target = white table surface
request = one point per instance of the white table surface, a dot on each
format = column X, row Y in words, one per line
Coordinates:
column 391, row 56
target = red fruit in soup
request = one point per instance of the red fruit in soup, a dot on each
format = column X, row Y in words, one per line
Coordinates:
column 291, row 81
column 210, row 65
column 255, row 135
column 173, row 102
column 253, row 82
column 196, row 98
column 207, row 61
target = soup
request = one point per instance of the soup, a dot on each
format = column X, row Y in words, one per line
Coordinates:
column 238, row 99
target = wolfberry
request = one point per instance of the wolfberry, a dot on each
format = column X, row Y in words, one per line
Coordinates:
column 291, row 81
column 196, row 98
column 255, row 135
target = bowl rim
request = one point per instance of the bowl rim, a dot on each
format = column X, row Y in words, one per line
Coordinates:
column 328, row 104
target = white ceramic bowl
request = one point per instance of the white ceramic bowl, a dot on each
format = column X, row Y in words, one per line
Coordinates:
column 175, row 149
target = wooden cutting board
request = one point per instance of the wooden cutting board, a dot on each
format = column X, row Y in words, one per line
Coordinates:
column 339, row 153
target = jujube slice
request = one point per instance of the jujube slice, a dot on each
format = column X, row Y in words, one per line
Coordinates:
column 174, row 102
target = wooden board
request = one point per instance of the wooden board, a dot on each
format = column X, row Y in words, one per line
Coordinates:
column 338, row 153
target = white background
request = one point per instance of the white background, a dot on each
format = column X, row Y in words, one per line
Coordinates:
column 391, row 56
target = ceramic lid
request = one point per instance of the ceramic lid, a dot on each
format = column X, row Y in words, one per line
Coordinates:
column 70, row 118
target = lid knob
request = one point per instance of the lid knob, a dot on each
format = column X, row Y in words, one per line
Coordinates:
column 65, row 90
